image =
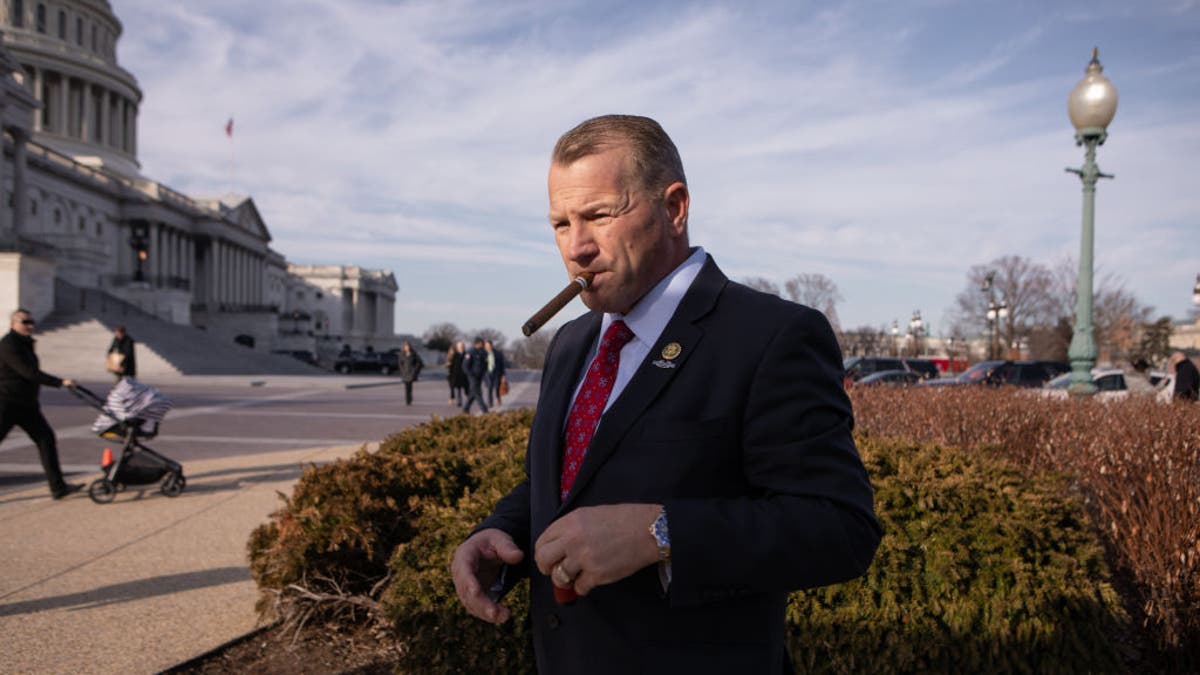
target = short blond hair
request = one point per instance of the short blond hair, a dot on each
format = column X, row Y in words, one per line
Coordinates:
column 656, row 162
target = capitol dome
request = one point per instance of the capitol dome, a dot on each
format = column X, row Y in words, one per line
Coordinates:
column 89, row 103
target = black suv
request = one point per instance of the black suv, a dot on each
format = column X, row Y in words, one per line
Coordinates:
column 858, row 367
column 1015, row 373
column 368, row 362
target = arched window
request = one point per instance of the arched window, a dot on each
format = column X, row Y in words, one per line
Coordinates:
column 41, row 18
column 17, row 13
column 62, row 25
column 79, row 31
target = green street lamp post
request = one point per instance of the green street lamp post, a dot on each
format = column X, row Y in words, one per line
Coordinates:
column 1091, row 106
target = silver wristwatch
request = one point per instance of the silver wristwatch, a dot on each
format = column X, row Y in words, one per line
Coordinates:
column 662, row 538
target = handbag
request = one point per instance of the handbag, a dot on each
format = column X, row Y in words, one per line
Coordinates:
column 115, row 363
column 503, row 386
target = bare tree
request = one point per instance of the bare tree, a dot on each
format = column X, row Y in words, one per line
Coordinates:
column 762, row 284
column 1022, row 286
column 864, row 341
column 817, row 291
column 1118, row 316
column 440, row 336
column 530, row 352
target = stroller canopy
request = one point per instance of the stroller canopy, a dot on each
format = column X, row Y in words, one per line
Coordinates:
column 131, row 399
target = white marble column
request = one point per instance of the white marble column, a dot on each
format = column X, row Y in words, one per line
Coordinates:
column 85, row 112
column 38, row 91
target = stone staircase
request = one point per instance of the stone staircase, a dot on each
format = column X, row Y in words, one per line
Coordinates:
column 73, row 344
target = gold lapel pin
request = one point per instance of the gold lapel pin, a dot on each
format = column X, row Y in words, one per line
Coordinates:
column 672, row 351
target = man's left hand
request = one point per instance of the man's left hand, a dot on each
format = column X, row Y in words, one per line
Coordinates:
column 597, row 545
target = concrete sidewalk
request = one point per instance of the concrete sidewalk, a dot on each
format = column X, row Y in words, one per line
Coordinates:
column 143, row 583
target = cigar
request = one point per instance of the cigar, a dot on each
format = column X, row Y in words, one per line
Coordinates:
column 578, row 285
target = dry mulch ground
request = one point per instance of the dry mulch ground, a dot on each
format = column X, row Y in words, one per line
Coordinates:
column 281, row 650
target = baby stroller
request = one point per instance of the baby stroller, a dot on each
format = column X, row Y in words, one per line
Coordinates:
column 131, row 414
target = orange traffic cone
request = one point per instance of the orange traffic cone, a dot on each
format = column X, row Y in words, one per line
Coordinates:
column 106, row 458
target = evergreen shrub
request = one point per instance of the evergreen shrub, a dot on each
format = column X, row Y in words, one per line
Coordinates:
column 1136, row 462
column 981, row 567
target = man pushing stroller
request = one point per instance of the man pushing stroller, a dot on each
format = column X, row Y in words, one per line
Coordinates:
column 21, row 380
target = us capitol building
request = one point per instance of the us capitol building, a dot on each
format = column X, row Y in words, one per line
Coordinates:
column 81, row 221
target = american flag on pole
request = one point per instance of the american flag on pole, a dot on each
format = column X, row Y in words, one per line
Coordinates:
column 229, row 128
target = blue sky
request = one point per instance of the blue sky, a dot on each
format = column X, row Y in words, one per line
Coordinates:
column 887, row 145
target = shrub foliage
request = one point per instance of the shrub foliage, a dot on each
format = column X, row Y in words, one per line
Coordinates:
column 1136, row 463
column 982, row 566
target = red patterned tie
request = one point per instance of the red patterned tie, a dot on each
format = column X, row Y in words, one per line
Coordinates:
column 589, row 404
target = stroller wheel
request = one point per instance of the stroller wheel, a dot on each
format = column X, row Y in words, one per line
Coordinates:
column 102, row 491
column 174, row 485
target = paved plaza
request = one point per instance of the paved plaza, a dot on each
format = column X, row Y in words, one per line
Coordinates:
column 147, row 582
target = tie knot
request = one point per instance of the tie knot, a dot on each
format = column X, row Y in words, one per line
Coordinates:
column 616, row 337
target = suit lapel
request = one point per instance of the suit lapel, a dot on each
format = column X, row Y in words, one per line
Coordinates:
column 649, row 380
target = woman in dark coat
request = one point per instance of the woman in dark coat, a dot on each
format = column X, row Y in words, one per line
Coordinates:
column 123, row 344
column 455, row 373
column 409, row 365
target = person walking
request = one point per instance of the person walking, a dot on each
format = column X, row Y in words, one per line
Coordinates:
column 1187, row 378
column 454, row 373
column 124, row 363
column 691, row 461
column 495, row 372
column 21, row 379
column 409, row 365
column 475, row 366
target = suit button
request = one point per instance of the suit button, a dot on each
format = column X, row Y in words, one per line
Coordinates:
column 553, row 621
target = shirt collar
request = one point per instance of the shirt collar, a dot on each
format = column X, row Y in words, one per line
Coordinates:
column 649, row 317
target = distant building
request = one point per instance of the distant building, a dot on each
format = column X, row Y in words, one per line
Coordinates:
column 78, row 214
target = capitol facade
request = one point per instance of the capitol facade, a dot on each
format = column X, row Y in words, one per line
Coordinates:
column 81, row 218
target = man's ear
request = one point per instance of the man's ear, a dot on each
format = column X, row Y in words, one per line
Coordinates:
column 677, row 200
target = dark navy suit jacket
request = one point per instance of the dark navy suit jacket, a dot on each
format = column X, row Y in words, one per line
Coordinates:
column 747, row 442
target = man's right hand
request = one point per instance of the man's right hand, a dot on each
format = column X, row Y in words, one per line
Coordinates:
column 475, row 567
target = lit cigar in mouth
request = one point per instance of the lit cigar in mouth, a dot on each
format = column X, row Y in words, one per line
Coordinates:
column 578, row 285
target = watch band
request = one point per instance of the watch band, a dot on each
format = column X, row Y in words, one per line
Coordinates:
column 662, row 536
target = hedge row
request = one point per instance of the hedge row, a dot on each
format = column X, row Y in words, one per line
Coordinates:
column 1135, row 462
column 982, row 567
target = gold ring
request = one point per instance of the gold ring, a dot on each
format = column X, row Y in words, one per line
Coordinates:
column 560, row 576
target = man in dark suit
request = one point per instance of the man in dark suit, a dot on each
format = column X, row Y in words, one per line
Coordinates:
column 21, row 379
column 691, row 459
column 475, row 366
column 1187, row 378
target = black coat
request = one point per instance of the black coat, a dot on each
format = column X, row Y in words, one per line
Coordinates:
column 455, row 372
column 124, row 347
column 475, row 363
column 409, row 366
column 745, row 438
column 20, row 375
column 1187, row 380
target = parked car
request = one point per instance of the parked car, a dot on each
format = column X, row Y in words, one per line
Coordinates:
column 858, row 367
column 1014, row 373
column 365, row 362
column 893, row 378
column 1110, row 385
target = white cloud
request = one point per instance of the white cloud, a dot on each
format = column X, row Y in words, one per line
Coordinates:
column 842, row 141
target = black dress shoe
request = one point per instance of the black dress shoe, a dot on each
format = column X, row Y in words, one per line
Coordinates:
column 66, row 489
